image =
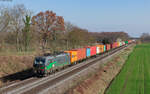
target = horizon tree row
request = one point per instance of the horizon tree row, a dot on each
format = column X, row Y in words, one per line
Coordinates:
column 20, row 30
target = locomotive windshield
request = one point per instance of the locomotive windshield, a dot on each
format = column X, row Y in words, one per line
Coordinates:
column 39, row 61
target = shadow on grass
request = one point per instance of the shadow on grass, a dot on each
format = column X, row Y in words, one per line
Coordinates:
column 22, row 75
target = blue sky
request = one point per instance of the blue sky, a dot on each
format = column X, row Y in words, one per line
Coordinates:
column 131, row 16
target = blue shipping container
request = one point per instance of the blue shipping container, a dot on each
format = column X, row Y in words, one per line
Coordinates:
column 88, row 52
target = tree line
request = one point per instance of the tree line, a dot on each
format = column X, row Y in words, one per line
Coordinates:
column 145, row 37
column 20, row 30
column 110, row 37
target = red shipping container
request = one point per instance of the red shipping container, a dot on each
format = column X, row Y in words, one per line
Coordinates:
column 111, row 45
column 114, row 45
column 129, row 41
column 108, row 47
column 81, row 53
column 93, row 50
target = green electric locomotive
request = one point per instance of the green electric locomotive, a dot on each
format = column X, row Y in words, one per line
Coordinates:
column 44, row 65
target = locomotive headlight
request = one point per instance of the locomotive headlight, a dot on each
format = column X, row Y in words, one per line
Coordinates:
column 35, row 62
column 40, row 62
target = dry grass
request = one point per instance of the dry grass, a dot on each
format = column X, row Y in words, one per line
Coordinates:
column 13, row 64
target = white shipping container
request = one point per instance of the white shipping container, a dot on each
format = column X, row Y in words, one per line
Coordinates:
column 97, row 50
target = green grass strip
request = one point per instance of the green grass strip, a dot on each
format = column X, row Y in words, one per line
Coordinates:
column 134, row 78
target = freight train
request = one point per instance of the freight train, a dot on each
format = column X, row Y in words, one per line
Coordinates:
column 44, row 65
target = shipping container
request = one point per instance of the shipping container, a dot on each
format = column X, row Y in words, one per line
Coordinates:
column 88, row 52
column 93, row 50
column 73, row 56
column 97, row 49
column 101, row 48
column 116, row 44
column 120, row 43
column 104, row 48
column 123, row 43
column 81, row 53
column 129, row 41
column 113, row 45
column 126, row 42
column 108, row 46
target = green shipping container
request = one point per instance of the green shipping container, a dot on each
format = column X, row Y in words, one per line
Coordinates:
column 120, row 43
column 104, row 48
column 126, row 42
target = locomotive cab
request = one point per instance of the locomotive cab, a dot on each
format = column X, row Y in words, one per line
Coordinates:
column 39, row 65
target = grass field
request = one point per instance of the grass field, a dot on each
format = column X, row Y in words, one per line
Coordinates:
column 134, row 78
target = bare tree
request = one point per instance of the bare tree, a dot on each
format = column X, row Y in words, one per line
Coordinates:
column 145, row 37
column 47, row 23
column 68, row 27
column 11, row 20
column 4, row 18
column 17, row 24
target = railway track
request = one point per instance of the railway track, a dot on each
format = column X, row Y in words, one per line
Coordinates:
column 41, row 85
